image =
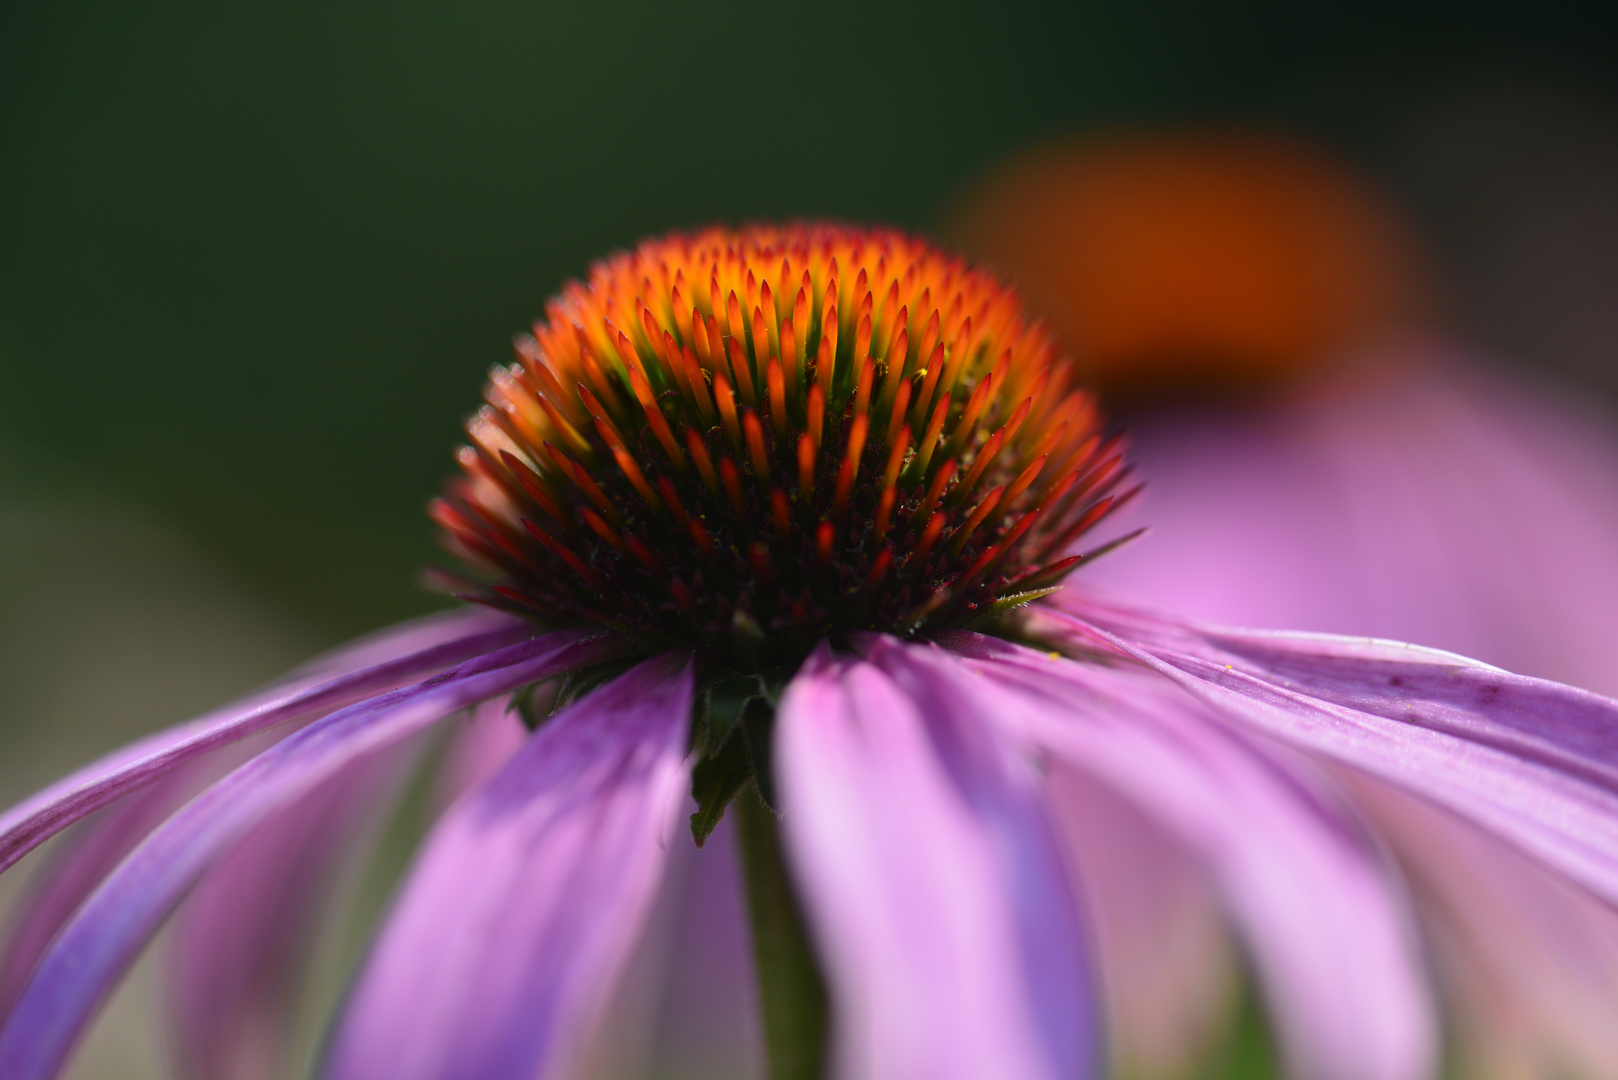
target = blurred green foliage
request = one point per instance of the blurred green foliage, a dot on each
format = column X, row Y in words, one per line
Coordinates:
column 254, row 259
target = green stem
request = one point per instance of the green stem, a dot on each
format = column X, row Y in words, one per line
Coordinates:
column 790, row 986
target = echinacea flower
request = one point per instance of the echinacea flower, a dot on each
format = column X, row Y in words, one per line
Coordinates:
column 785, row 512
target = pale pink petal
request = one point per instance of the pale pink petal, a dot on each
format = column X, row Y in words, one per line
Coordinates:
column 931, row 881
column 478, row 748
column 1328, row 935
column 711, row 1025
column 1532, row 760
column 94, row 950
column 1167, row 962
column 1528, row 962
column 528, row 896
column 436, row 643
column 1432, row 501
column 241, row 940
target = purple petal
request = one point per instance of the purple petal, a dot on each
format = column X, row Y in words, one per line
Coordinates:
column 1534, row 761
column 404, row 638
column 1436, row 503
column 100, row 843
column 73, row 874
column 109, row 930
column 1528, row 961
column 710, row 1024
column 241, row 939
column 931, row 880
column 163, row 784
column 450, row 639
column 1167, row 961
column 1330, row 941
column 528, row 897
column 478, row 748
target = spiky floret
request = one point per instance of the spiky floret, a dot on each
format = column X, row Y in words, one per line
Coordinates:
column 750, row 439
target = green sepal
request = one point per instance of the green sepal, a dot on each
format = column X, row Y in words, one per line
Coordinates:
column 758, row 728
column 527, row 710
column 580, row 681
column 730, row 703
column 721, row 702
column 722, row 706
column 714, row 782
column 774, row 682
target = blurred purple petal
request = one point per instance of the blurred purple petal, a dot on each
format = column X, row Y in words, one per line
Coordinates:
column 448, row 640
column 240, row 941
column 1328, row 936
column 1528, row 962
column 711, row 1024
column 1530, row 759
column 930, row 878
column 73, row 874
column 1168, row 965
column 528, row 896
column 1424, row 500
column 478, row 748
column 109, row 930
column 99, row 843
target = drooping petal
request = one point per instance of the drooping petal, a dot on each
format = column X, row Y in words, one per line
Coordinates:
column 1167, row 961
column 1559, row 726
column 403, row 639
column 1527, row 960
column 1329, row 939
column 240, row 942
column 931, row 881
column 95, row 948
column 100, row 843
column 448, row 640
column 134, row 800
column 73, row 874
column 528, row 896
column 1532, row 760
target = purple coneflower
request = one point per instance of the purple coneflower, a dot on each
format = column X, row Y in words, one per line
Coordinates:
column 777, row 517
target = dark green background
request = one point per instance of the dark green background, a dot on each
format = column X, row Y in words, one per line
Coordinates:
column 254, row 261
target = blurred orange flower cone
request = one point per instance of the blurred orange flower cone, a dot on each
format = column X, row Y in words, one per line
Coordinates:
column 1200, row 263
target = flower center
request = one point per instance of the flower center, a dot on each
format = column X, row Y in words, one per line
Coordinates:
column 749, row 440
